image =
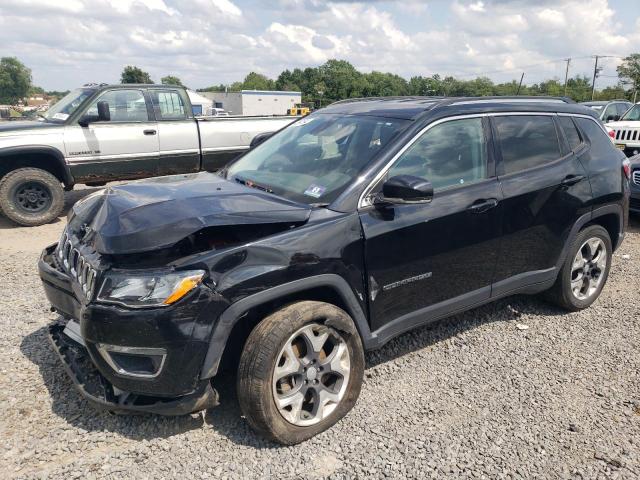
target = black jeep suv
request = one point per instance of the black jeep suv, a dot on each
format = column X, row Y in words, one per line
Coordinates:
column 343, row 230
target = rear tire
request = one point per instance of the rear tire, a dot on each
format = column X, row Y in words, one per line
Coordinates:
column 585, row 270
column 300, row 371
column 31, row 196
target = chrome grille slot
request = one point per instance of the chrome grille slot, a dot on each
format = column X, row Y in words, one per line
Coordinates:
column 76, row 265
column 636, row 177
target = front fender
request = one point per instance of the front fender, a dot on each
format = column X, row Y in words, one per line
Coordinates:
column 232, row 314
column 56, row 156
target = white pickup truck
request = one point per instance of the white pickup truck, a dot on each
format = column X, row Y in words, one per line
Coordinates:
column 625, row 132
column 101, row 133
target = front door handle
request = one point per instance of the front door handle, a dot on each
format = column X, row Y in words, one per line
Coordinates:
column 483, row 205
column 149, row 132
column 571, row 180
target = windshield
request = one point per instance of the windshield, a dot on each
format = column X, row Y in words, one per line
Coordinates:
column 316, row 158
column 68, row 105
column 633, row 114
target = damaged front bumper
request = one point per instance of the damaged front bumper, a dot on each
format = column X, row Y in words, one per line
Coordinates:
column 146, row 360
column 93, row 386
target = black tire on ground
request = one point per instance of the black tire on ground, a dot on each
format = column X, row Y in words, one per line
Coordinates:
column 561, row 292
column 31, row 196
column 261, row 354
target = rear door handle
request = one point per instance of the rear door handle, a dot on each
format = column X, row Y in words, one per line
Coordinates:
column 571, row 180
column 149, row 132
column 483, row 205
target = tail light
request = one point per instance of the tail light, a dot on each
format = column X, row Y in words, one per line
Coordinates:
column 626, row 168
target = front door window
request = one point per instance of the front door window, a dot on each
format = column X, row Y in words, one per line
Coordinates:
column 448, row 155
column 124, row 106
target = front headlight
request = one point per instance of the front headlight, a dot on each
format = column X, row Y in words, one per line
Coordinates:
column 152, row 289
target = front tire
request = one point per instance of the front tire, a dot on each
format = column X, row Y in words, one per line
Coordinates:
column 300, row 371
column 584, row 271
column 31, row 196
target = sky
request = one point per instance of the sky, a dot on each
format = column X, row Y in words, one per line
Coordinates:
column 67, row 43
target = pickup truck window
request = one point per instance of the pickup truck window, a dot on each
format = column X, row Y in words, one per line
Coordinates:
column 316, row 158
column 124, row 106
column 448, row 155
column 168, row 105
column 67, row 105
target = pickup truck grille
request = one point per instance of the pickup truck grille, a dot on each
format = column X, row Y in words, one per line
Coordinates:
column 627, row 134
column 74, row 264
column 636, row 177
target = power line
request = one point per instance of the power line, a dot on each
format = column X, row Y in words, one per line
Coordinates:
column 533, row 65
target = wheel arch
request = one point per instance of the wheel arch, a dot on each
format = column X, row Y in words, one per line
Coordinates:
column 610, row 217
column 612, row 223
column 43, row 157
column 239, row 319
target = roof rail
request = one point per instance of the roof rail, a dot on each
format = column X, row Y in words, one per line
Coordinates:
column 443, row 101
column 395, row 97
column 510, row 99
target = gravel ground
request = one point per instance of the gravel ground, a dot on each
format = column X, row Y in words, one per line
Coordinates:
column 477, row 396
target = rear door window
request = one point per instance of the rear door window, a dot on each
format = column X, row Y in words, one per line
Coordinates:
column 168, row 105
column 570, row 131
column 526, row 141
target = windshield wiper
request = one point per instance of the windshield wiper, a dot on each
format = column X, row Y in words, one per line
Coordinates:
column 252, row 184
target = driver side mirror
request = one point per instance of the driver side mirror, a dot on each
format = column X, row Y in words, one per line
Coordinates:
column 404, row 189
column 104, row 115
column 259, row 138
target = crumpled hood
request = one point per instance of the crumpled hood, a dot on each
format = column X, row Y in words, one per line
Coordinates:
column 157, row 213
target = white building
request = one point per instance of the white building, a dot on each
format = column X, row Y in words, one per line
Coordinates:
column 201, row 104
column 254, row 102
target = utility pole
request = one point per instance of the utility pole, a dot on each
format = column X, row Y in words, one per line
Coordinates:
column 520, row 85
column 566, row 76
column 595, row 75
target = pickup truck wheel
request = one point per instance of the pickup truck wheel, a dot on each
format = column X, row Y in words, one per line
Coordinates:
column 31, row 196
column 300, row 371
column 585, row 270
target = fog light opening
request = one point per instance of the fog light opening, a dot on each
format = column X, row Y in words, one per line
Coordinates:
column 138, row 362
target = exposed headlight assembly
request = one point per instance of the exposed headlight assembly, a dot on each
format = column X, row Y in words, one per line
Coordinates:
column 148, row 289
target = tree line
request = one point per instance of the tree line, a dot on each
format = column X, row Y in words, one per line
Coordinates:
column 339, row 79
